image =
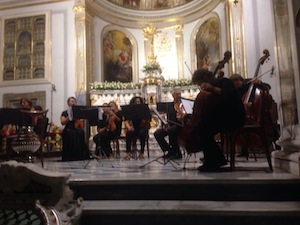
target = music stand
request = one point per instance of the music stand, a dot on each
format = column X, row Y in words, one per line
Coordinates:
column 10, row 116
column 92, row 114
column 136, row 112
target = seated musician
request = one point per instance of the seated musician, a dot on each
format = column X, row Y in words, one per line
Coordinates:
column 10, row 129
column 217, row 108
column 242, row 85
column 74, row 146
column 108, row 128
column 137, row 128
column 171, row 130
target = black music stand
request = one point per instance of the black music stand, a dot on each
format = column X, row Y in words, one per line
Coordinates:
column 91, row 114
column 10, row 116
column 136, row 112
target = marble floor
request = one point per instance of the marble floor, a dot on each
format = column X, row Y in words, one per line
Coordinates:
column 152, row 169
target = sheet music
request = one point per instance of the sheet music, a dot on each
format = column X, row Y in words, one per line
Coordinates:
column 70, row 113
column 100, row 113
column 188, row 105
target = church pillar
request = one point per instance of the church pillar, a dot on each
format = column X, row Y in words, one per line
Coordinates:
column 235, row 23
column 288, row 70
column 180, row 50
column 84, row 42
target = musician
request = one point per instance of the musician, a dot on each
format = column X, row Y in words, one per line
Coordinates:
column 9, row 129
column 172, row 130
column 74, row 146
column 136, row 128
column 242, row 85
column 217, row 108
column 108, row 128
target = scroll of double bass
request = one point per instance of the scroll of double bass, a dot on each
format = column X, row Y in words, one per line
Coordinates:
column 204, row 103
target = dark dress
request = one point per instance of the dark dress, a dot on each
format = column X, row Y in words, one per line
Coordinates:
column 74, row 146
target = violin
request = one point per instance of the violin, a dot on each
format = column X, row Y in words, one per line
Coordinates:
column 145, row 123
column 79, row 124
column 111, row 126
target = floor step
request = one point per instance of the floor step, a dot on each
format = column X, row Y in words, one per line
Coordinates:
column 191, row 212
column 206, row 189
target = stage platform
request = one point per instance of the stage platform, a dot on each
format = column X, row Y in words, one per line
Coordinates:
column 134, row 192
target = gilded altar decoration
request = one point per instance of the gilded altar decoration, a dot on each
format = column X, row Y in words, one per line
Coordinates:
column 24, row 48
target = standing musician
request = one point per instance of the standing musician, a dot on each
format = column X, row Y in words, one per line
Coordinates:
column 136, row 128
column 217, row 108
column 172, row 130
column 74, row 146
column 108, row 128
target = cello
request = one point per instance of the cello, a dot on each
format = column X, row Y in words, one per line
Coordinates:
column 204, row 104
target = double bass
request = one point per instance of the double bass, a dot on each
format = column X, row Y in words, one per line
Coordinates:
column 255, row 98
column 204, row 103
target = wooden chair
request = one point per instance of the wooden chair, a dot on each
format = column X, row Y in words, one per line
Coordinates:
column 258, row 128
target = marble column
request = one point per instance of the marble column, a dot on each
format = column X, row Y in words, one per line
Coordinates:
column 286, row 47
column 84, row 53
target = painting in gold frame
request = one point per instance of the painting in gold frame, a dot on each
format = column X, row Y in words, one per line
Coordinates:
column 117, row 55
column 208, row 44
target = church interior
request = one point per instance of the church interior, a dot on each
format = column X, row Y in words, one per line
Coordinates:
column 98, row 51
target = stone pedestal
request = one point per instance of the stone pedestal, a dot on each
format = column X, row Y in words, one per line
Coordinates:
column 288, row 159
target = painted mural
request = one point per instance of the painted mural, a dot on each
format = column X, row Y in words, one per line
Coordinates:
column 117, row 55
column 208, row 44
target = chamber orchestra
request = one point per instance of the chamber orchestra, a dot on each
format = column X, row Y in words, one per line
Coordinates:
column 223, row 103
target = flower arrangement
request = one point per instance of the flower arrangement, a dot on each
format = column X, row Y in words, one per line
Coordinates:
column 177, row 82
column 115, row 85
column 153, row 66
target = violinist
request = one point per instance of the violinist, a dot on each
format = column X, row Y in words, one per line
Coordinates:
column 217, row 108
column 108, row 128
column 74, row 146
column 171, row 130
column 136, row 128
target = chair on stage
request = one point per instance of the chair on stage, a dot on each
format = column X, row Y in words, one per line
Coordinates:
column 258, row 129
